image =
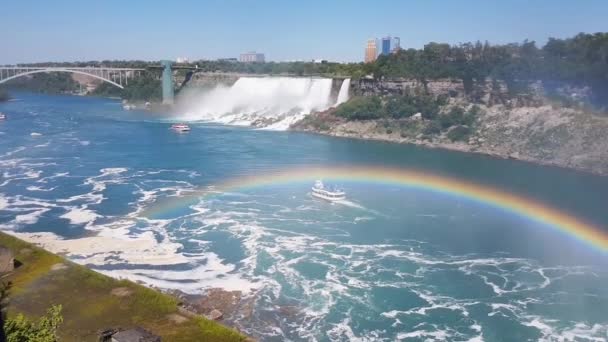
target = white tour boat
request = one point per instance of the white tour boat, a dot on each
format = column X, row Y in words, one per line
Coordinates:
column 329, row 194
column 2, row 116
column 180, row 127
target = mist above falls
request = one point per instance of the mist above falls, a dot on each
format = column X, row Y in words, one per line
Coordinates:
column 269, row 102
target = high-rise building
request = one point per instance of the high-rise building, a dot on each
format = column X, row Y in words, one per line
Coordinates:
column 396, row 44
column 252, row 57
column 371, row 51
column 386, row 45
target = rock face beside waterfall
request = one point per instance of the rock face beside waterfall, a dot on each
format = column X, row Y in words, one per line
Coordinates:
column 529, row 127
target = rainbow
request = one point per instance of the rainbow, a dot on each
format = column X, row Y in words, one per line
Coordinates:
column 519, row 205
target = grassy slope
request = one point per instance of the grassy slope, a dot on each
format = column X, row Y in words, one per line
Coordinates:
column 88, row 305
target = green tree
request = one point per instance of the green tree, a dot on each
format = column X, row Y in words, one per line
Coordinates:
column 361, row 108
column 459, row 133
column 21, row 329
column 400, row 107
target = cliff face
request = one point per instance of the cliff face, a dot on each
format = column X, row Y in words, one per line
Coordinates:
column 529, row 126
column 490, row 92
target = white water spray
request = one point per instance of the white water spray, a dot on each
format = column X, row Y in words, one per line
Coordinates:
column 343, row 94
column 270, row 102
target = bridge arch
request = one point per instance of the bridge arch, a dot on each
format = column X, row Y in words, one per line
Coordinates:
column 30, row 72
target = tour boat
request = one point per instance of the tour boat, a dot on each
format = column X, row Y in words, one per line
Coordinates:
column 2, row 116
column 180, row 127
column 329, row 194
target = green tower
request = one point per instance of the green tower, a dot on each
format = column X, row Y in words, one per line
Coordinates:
column 167, row 82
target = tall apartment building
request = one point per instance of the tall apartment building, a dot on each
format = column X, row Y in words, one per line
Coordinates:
column 371, row 51
column 386, row 46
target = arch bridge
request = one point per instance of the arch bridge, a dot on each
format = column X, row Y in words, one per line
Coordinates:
column 118, row 77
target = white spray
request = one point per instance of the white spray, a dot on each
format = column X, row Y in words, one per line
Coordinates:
column 270, row 102
column 343, row 94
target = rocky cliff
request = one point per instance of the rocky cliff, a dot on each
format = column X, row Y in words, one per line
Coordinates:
column 529, row 126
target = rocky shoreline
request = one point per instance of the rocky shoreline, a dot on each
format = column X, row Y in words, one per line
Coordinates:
column 546, row 135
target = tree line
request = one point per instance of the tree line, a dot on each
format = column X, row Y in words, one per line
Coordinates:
column 581, row 60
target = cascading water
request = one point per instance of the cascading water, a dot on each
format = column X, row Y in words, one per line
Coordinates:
column 270, row 102
column 343, row 94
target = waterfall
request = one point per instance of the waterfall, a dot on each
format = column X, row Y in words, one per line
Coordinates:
column 343, row 94
column 270, row 102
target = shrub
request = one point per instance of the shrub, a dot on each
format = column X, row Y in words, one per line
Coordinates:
column 400, row 107
column 361, row 108
column 457, row 116
column 459, row 133
column 454, row 117
column 433, row 127
column 396, row 107
column 19, row 328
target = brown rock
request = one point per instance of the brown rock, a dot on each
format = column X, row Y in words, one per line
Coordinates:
column 215, row 315
column 121, row 292
column 175, row 318
column 58, row 267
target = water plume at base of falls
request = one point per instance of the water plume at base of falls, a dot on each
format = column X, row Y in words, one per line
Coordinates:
column 270, row 102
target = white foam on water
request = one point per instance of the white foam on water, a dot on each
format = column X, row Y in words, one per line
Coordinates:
column 80, row 215
column 438, row 335
column 214, row 273
column 37, row 188
column 142, row 249
column 12, row 152
column 3, row 202
column 584, row 332
column 30, row 218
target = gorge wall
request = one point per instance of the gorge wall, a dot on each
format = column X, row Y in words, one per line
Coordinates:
column 534, row 125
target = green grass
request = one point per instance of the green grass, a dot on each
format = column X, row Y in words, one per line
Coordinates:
column 89, row 306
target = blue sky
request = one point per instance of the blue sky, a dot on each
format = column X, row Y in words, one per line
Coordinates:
column 60, row 30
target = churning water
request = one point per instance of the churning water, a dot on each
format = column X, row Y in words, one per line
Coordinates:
column 393, row 263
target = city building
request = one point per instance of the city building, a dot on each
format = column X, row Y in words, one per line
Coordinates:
column 252, row 57
column 386, row 46
column 371, row 51
column 182, row 60
column 396, row 44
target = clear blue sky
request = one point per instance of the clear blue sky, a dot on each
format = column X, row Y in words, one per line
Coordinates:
column 60, row 30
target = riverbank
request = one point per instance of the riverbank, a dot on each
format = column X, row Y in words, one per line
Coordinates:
column 547, row 134
column 93, row 302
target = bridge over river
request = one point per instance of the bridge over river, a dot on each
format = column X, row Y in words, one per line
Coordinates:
column 119, row 77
